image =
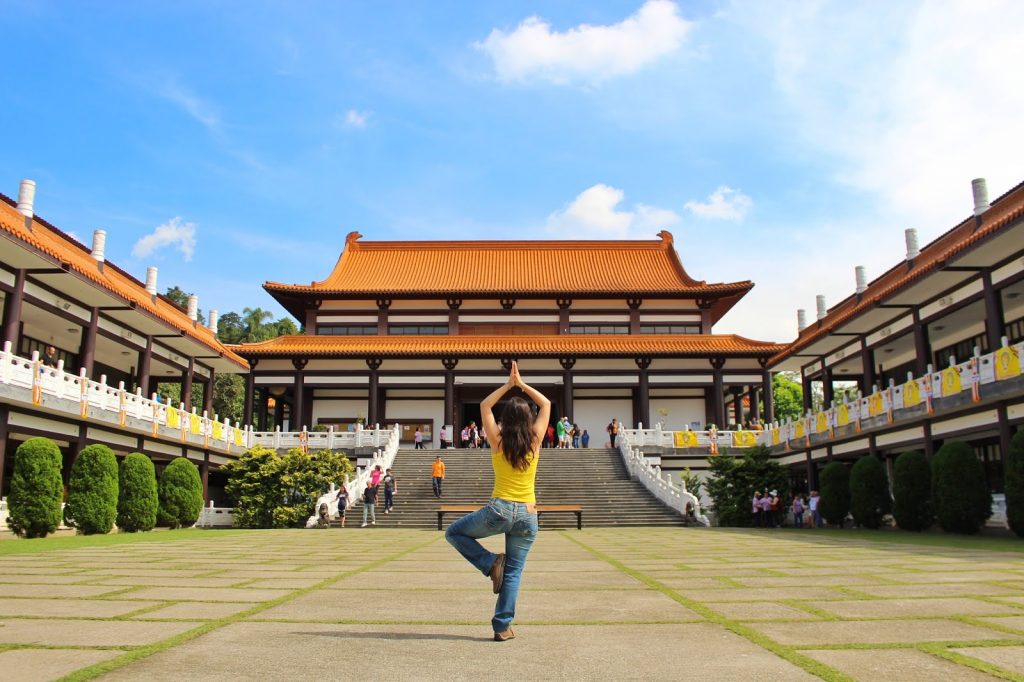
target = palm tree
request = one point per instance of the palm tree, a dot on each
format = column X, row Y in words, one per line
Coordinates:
column 256, row 329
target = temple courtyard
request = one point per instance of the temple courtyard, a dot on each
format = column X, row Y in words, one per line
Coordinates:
column 599, row 604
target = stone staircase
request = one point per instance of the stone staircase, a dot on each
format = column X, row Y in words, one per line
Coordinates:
column 596, row 479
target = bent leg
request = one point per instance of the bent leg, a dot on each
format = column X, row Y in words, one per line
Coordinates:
column 463, row 534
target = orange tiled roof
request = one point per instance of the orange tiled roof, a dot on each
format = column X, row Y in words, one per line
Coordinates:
column 64, row 250
column 557, row 268
column 1004, row 211
column 685, row 345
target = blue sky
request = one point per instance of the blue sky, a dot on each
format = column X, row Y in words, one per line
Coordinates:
column 229, row 143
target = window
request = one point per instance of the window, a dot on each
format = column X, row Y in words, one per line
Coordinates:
column 599, row 329
column 1015, row 330
column 347, row 330
column 418, row 330
column 670, row 329
column 962, row 351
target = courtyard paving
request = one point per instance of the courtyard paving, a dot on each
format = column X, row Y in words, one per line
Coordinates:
column 598, row 604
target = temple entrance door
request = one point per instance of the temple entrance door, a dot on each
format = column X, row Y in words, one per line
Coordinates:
column 469, row 412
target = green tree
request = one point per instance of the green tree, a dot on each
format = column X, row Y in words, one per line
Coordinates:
column 787, row 395
column 137, row 500
column 180, row 493
column 36, row 489
column 274, row 491
column 911, row 492
column 835, row 493
column 180, row 298
column 869, row 492
column 694, row 483
column 93, row 490
column 1015, row 484
column 256, row 327
column 229, row 396
column 230, row 328
column 734, row 480
column 285, row 327
column 959, row 493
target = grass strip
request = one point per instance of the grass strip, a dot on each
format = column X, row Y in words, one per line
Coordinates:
column 16, row 546
column 786, row 653
column 98, row 669
column 969, row 662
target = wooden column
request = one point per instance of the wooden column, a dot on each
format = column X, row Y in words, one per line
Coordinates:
column 5, row 412
column 717, row 389
column 755, row 403
column 453, row 316
column 382, row 315
column 567, row 365
column 995, row 326
column 263, row 411
column 449, row 392
column 187, row 377
column 208, row 393
column 805, row 385
column 634, row 317
column 812, row 473
column 204, row 472
column 769, row 397
column 12, row 310
column 1005, row 437
column 374, row 397
column 145, row 360
column 867, row 359
column 250, row 389
column 921, row 348
column 828, row 391
column 298, row 400
column 310, row 317
column 929, row 444
column 87, row 349
column 643, row 392
column 564, row 326
column 737, row 404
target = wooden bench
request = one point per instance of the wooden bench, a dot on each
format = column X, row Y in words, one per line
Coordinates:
column 541, row 510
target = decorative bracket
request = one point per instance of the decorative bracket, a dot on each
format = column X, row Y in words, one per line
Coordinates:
column 374, row 363
column 717, row 363
column 383, row 303
column 763, row 361
column 705, row 303
column 454, row 303
column 642, row 362
column 634, row 303
column 508, row 303
column 567, row 363
column 506, row 363
column 563, row 303
column 449, row 363
column 300, row 363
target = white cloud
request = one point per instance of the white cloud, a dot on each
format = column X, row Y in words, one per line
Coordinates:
column 585, row 53
column 725, row 203
column 193, row 105
column 355, row 119
column 595, row 213
column 175, row 232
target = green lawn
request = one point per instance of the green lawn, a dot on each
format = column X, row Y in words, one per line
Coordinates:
column 62, row 542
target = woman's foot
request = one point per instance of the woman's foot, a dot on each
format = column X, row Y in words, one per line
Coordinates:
column 504, row 636
column 498, row 573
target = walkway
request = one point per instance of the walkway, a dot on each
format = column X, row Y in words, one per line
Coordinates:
column 601, row 604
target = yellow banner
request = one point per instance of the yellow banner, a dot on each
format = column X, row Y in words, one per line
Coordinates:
column 238, row 437
column 776, row 436
column 173, row 418
column 1007, row 363
column 744, row 439
column 950, row 382
column 218, row 431
column 195, row 424
column 821, row 422
column 843, row 415
column 911, row 393
column 685, row 439
column 798, row 429
column 876, row 404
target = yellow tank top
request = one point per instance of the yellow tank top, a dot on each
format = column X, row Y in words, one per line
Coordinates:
column 510, row 483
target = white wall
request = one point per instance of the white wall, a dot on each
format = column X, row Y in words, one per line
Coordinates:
column 594, row 415
column 338, row 409
column 418, row 409
column 680, row 412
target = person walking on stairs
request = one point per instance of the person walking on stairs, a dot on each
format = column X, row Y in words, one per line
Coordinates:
column 437, row 472
column 512, row 510
column 370, row 504
column 342, row 500
column 390, row 488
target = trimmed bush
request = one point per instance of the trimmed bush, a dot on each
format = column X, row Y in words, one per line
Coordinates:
column 912, row 492
column 1015, row 485
column 835, row 493
column 92, row 490
column 733, row 481
column 37, row 489
column 181, row 494
column 137, row 501
column 869, row 492
column 960, row 495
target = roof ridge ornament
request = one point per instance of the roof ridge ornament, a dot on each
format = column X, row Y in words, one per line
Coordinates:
column 351, row 238
column 667, row 237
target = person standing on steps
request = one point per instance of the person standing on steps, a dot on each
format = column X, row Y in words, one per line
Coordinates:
column 390, row 488
column 342, row 499
column 417, row 438
column 437, row 472
column 512, row 510
column 585, row 439
column 370, row 504
column 613, row 432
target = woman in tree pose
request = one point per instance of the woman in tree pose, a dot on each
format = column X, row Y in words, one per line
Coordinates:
column 512, row 509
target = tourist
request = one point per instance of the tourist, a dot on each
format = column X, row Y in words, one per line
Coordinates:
column 812, row 504
column 342, row 499
column 437, row 472
column 417, row 439
column 375, row 476
column 49, row 358
column 755, row 508
column 549, row 437
column 613, row 432
column 370, row 504
column 798, row 511
column 474, row 435
column 464, row 436
column 512, row 509
column 774, row 509
column 575, row 435
column 585, row 439
column 390, row 488
column 560, row 432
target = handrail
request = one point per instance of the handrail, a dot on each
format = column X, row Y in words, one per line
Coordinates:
column 676, row 497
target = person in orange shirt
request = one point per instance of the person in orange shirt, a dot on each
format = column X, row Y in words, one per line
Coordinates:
column 437, row 471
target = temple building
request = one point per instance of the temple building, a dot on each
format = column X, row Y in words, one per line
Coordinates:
column 418, row 332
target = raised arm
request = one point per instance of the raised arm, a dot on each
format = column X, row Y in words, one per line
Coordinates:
column 540, row 424
column 487, row 409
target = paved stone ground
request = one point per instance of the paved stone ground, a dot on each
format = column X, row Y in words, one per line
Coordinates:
column 603, row 604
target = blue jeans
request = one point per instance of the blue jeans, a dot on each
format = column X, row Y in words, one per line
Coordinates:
column 520, row 529
column 817, row 518
column 438, row 480
column 372, row 509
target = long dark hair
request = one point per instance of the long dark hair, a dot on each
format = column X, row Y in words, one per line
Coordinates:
column 517, row 433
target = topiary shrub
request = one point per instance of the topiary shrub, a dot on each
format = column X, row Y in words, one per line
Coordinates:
column 137, row 501
column 733, row 481
column 92, row 490
column 912, row 492
column 37, row 489
column 835, row 493
column 960, row 495
column 181, row 494
column 1015, row 484
column 869, row 492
